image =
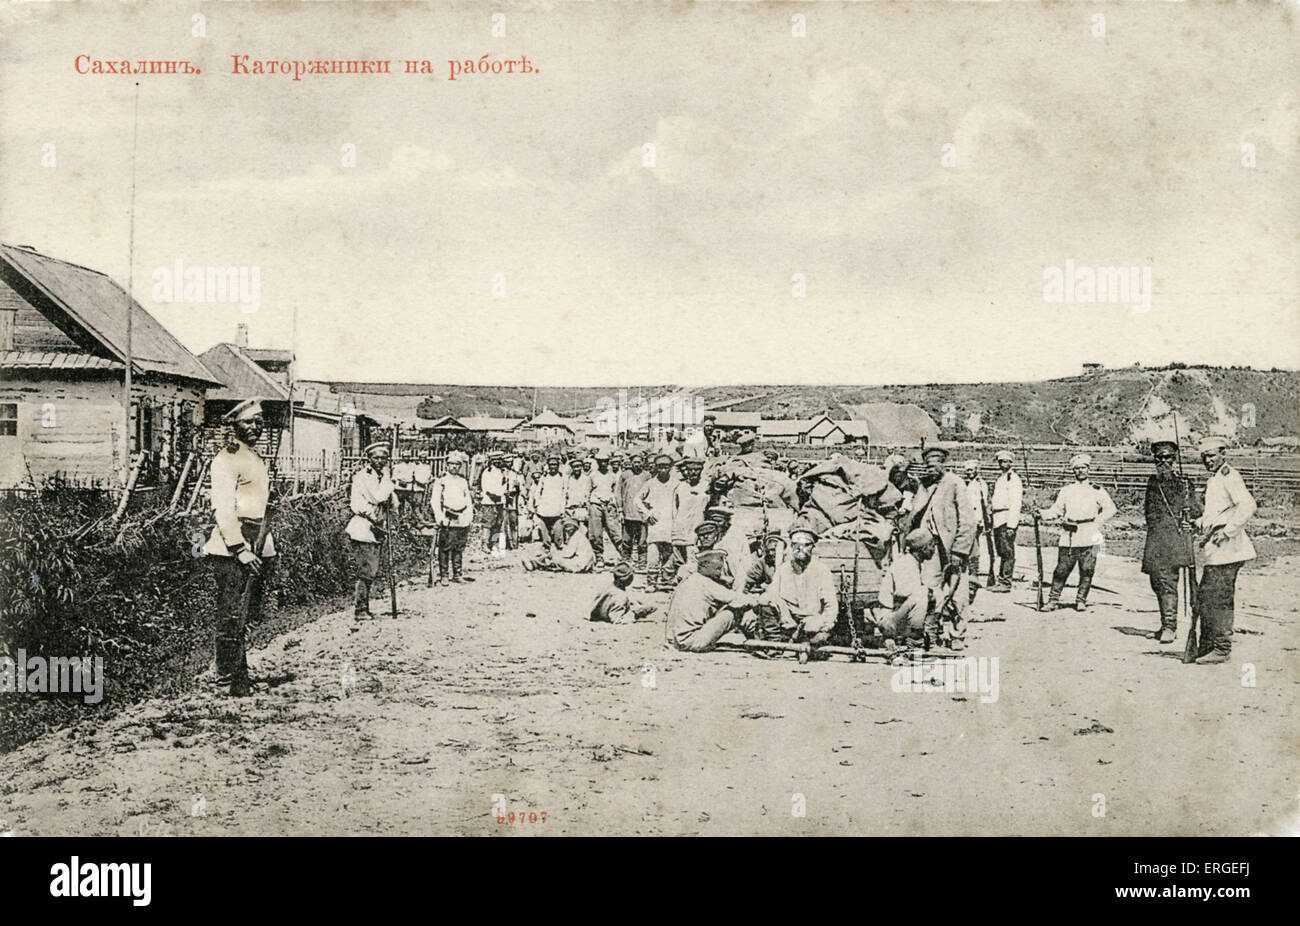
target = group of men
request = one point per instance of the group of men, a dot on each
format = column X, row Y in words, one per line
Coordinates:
column 661, row 516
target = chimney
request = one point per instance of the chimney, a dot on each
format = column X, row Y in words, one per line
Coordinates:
column 241, row 335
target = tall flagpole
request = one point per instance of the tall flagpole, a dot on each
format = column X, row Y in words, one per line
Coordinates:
column 130, row 282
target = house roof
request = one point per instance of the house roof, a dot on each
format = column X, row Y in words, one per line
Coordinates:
column 445, row 423
column 895, row 424
column 491, row 424
column 855, row 428
column 89, row 307
column 54, row 360
column 240, row 376
column 783, row 427
column 548, row 419
column 268, row 354
column 736, row 419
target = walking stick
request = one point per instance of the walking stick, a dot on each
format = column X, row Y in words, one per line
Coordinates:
column 1038, row 552
column 988, row 539
column 392, row 574
column 1187, row 573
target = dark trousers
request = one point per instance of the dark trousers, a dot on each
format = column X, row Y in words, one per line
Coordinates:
column 1004, row 543
column 451, row 549
column 602, row 520
column 231, row 577
column 634, row 539
column 1217, row 602
column 365, row 564
column 1164, row 582
column 511, row 524
column 494, row 520
column 1066, row 557
column 548, row 526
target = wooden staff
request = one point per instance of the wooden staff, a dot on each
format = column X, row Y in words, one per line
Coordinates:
column 126, row 492
column 180, row 483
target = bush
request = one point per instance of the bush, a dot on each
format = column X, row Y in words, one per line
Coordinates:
column 142, row 596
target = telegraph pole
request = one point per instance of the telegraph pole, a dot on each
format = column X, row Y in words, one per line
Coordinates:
column 130, row 312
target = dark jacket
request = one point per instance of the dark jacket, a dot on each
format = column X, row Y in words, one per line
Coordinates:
column 1167, row 547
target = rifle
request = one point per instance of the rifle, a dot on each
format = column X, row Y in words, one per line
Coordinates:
column 1038, row 551
column 392, row 574
column 388, row 528
column 1187, row 574
column 988, row 539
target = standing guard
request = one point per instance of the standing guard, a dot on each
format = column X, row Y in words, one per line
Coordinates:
column 241, row 487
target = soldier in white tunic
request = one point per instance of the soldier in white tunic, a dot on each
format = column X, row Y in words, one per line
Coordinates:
column 1083, row 510
column 241, row 488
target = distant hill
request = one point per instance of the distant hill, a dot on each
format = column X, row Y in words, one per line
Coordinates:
column 1119, row 406
column 1110, row 407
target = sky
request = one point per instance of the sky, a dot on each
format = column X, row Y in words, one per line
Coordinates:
column 875, row 201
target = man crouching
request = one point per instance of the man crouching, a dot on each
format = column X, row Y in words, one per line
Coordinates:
column 704, row 607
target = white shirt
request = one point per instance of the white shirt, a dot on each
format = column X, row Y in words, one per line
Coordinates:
column 1085, row 505
column 1007, row 495
column 977, row 494
column 371, row 494
column 1227, row 504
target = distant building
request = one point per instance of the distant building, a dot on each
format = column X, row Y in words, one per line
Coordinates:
column 549, row 428
column 1090, row 368
column 817, row 430
column 890, row 424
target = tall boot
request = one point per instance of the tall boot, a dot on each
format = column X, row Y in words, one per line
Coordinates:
column 361, row 602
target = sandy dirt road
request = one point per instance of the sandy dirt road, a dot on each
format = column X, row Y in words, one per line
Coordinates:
column 497, row 696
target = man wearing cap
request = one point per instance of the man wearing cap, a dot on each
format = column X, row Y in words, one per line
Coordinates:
column 1171, row 506
column 803, row 593
column 494, row 486
column 241, row 488
column 656, row 504
column 941, row 507
column 550, row 498
column 1008, row 495
column 615, row 605
column 578, row 490
column 453, row 512
column 734, row 540
column 602, row 510
column 572, row 554
column 1221, row 548
column 690, row 498
column 704, row 608
column 977, row 493
column 1083, row 509
column 515, row 497
column 762, row 567
column 628, row 489
column 373, row 495
column 906, row 597
column 896, row 468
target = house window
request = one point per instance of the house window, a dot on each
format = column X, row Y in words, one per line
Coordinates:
column 8, row 419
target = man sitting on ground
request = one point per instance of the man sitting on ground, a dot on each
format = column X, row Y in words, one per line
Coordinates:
column 615, row 606
column 573, row 554
column 905, row 599
column 704, row 608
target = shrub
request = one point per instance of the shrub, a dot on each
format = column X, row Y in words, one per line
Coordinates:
column 142, row 596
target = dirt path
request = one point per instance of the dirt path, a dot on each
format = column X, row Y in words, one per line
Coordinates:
column 498, row 693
